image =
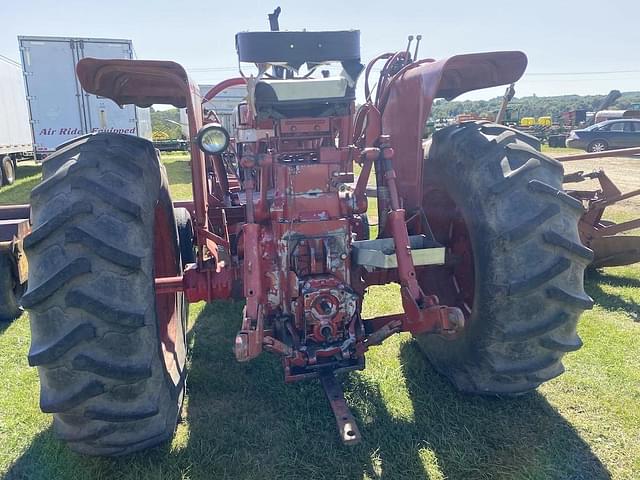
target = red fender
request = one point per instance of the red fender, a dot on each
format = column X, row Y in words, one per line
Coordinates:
column 143, row 83
column 411, row 94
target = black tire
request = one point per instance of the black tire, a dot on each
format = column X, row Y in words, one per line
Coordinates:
column 8, row 171
column 186, row 236
column 10, row 290
column 598, row 146
column 527, row 262
column 109, row 372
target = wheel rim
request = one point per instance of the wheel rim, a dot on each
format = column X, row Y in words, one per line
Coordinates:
column 9, row 171
column 168, row 306
column 454, row 283
column 598, row 147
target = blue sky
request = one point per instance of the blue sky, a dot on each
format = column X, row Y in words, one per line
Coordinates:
column 559, row 37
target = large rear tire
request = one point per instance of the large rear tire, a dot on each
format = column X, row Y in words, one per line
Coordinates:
column 110, row 354
column 516, row 264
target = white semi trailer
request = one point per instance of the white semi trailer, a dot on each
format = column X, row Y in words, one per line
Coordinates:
column 59, row 109
column 15, row 133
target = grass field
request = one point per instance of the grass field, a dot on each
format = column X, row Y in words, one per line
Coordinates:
column 242, row 422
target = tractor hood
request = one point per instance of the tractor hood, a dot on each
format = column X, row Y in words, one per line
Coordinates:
column 412, row 92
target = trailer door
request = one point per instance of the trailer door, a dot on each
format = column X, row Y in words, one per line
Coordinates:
column 52, row 92
column 103, row 114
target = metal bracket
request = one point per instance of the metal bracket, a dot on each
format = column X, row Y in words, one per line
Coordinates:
column 347, row 427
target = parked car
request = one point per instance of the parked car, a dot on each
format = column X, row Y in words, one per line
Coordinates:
column 623, row 133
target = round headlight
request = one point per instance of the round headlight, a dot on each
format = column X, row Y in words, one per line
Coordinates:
column 213, row 138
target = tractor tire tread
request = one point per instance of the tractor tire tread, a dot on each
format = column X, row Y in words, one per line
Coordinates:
column 575, row 248
column 72, row 399
column 107, row 369
column 38, row 294
column 91, row 299
column 52, row 352
column 107, row 312
column 111, row 253
column 534, row 281
column 530, row 291
column 569, row 344
column 531, row 225
column 541, row 187
column 58, row 221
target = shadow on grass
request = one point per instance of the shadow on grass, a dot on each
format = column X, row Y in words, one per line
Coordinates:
column 245, row 423
column 4, row 325
column 595, row 279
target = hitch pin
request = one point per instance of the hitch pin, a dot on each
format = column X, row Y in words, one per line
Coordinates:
column 415, row 53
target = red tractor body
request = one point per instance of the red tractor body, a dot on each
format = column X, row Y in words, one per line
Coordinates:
column 279, row 218
column 287, row 235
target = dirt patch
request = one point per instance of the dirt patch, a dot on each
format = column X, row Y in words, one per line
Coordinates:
column 625, row 173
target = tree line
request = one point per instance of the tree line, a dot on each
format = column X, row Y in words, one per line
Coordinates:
column 532, row 106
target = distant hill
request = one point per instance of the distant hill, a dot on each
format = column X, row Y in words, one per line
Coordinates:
column 533, row 106
column 162, row 129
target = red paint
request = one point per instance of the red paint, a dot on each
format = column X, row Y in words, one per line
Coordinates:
column 285, row 231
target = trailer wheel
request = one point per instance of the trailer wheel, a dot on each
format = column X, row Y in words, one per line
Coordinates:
column 515, row 263
column 110, row 353
column 10, row 290
column 8, row 171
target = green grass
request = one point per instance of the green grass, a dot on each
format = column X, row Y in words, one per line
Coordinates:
column 27, row 177
column 560, row 151
column 242, row 422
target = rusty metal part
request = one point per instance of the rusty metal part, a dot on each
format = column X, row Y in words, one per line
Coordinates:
column 615, row 251
column 597, row 233
column 14, row 227
column 346, row 422
column 622, row 152
column 12, row 212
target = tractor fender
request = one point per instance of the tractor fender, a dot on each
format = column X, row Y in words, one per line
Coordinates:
column 138, row 82
column 144, row 83
column 411, row 94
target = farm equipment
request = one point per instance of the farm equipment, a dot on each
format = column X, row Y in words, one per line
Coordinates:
column 14, row 226
column 602, row 236
column 473, row 225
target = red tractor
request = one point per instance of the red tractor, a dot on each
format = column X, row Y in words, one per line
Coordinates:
column 473, row 225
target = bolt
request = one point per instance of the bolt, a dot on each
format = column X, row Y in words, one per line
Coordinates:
column 241, row 348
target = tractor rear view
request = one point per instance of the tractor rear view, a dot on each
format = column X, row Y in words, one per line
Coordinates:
column 473, row 225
